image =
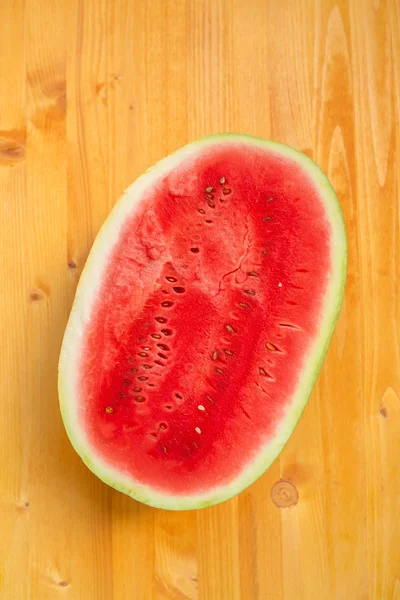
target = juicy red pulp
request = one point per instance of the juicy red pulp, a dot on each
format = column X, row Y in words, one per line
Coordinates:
column 207, row 309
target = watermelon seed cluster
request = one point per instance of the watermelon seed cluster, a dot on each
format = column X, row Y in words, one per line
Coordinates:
column 210, row 197
column 161, row 349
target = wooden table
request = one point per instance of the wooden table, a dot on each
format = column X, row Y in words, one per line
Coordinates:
column 91, row 94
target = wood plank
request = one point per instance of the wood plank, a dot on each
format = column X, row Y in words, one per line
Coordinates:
column 14, row 296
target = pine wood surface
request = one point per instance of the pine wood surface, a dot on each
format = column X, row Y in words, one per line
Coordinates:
column 92, row 92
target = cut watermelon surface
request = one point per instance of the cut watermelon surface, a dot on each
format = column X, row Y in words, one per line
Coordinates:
column 201, row 320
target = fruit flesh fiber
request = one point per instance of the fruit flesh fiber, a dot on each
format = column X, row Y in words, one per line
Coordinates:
column 183, row 396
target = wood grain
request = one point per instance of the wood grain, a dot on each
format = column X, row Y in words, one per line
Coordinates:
column 92, row 93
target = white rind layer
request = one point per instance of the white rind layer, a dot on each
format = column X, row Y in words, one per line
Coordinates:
column 89, row 286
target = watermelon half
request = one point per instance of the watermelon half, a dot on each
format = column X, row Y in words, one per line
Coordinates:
column 201, row 320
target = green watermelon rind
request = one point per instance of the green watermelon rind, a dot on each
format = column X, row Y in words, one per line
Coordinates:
column 90, row 281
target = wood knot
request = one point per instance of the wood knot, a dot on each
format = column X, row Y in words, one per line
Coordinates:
column 383, row 412
column 36, row 296
column 284, row 494
column 11, row 151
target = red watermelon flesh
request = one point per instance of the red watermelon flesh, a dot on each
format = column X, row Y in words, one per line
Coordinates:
column 207, row 307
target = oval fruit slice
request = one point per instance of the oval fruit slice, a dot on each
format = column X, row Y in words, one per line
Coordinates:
column 201, row 321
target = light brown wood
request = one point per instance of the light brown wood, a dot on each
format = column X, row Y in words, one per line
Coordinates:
column 92, row 92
